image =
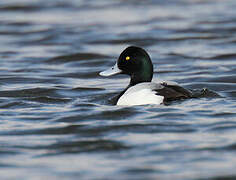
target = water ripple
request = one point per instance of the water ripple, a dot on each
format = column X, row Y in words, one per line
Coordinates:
column 57, row 111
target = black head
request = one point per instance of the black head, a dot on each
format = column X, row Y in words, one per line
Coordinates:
column 135, row 62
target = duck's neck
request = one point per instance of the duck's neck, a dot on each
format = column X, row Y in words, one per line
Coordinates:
column 141, row 76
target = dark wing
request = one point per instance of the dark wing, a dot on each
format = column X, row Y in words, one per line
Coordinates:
column 173, row 92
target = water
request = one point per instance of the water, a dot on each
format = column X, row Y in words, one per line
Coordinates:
column 56, row 121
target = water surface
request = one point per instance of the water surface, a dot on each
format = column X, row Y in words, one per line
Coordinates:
column 56, row 121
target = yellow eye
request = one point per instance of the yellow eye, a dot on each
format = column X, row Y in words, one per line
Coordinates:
column 127, row 58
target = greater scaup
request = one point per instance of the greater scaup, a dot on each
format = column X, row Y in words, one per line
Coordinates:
column 136, row 62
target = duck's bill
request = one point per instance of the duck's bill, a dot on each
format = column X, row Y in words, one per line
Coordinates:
column 111, row 71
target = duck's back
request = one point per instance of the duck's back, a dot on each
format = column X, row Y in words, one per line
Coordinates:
column 173, row 92
column 152, row 93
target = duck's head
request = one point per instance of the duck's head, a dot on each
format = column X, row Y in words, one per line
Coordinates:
column 135, row 62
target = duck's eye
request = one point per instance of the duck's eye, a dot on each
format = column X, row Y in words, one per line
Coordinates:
column 127, row 58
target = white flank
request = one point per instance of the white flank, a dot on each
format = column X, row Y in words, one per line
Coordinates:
column 141, row 94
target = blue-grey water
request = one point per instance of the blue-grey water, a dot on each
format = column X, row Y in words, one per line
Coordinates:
column 55, row 118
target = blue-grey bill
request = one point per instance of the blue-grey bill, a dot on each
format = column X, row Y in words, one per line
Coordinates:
column 111, row 71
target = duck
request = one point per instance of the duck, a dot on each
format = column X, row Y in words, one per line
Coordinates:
column 135, row 62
